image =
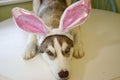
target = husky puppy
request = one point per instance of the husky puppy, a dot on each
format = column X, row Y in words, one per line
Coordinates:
column 52, row 35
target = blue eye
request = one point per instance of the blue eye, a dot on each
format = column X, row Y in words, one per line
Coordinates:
column 67, row 50
column 49, row 53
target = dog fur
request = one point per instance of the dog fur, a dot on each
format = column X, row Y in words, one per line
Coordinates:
column 55, row 46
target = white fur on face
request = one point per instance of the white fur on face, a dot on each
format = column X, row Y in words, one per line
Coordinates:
column 51, row 48
column 61, row 62
column 64, row 46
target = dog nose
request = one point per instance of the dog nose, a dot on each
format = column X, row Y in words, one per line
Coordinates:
column 63, row 74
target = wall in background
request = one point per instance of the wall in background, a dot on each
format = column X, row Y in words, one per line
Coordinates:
column 5, row 11
column 117, row 3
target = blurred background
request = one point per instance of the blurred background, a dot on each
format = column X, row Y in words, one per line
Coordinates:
column 7, row 5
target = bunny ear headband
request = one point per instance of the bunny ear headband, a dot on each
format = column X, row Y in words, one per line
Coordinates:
column 73, row 16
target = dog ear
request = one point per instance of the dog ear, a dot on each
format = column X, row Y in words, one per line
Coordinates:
column 28, row 21
column 75, row 15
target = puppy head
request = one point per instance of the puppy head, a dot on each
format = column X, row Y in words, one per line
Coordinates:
column 57, row 46
column 57, row 51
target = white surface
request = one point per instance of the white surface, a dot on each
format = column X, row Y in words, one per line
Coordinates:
column 101, row 39
column 12, row 41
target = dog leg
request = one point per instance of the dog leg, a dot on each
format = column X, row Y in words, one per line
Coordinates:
column 78, row 49
column 31, row 47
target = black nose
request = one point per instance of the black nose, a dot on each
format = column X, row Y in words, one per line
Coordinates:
column 63, row 74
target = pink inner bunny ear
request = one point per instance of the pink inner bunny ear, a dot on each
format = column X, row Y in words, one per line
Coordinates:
column 75, row 15
column 27, row 21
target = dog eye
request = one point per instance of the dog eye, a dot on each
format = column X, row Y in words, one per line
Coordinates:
column 67, row 50
column 49, row 53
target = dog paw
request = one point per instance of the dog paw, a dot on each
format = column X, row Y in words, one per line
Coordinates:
column 29, row 53
column 78, row 52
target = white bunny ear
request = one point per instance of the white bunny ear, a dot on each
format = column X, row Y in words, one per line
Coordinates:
column 75, row 15
column 28, row 21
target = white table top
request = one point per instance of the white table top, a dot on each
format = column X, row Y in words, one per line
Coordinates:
column 101, row 39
